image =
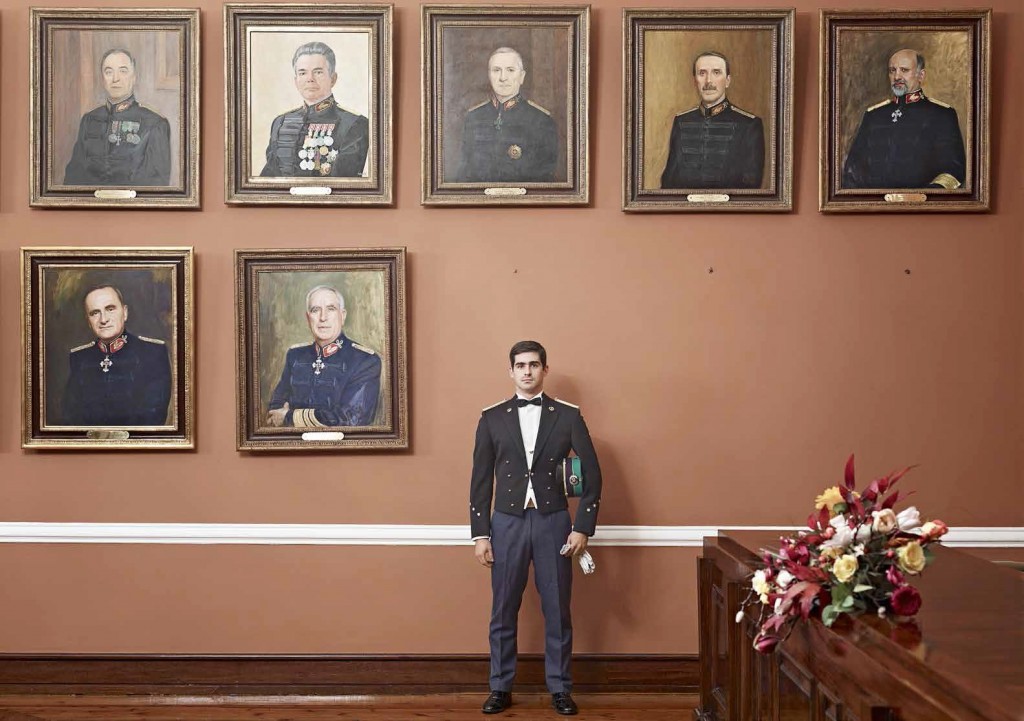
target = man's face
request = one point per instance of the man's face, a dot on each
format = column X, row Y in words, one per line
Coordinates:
column 904, row 76
column 710, row 79
column 118, row 76
column 313, row 78
column 325, row 315
column 528, row 373
column 106, row 314
column 507, row 75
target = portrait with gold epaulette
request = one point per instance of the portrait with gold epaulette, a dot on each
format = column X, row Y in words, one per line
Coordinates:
column 321, row 349
column 905, row 111
column 708, row 113
column 110, row 333
column 505, row 102
column 309, row 104
column 115, row 108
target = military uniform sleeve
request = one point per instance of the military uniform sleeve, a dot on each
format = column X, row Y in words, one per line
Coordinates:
column 481, row 484
column 283, row 390
column 75, row 172
column 468, row 171
column 272, row 169
column 855, row 168
column 753, row 155
column 156, row 393
column 590, row 501
column 156, row 165
column 547, row 153
column 948, row 153
column 669, row 177
column 71, row 402
column 352, row 150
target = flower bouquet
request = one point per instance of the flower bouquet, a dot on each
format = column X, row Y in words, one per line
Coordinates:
column 856, row 557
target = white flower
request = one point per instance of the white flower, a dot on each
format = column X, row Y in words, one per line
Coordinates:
column 843, row 536
column 881, row 611
column 784, row 579
column 760, row 585
column 858, row 550
column 883, row 521
column 909, row 520
column 778, row 605
column 739, row 616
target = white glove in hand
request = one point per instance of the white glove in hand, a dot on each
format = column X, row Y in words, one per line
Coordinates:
column 587, row 563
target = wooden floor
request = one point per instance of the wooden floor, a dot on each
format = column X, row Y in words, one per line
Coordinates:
column 441, row 707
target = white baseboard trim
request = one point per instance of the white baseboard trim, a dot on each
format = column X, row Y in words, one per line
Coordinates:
column 309, row 534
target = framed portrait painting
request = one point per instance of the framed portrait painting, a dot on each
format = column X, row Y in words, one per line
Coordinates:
column 505, row 104
column 708, row 110
column 904, row 110
column 308, row 104
column 322, row 361
column 115, row 108
column 107, row 348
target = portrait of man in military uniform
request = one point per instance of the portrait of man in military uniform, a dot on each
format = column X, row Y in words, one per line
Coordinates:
column 715, row 144
column 331, row 380
column 319, row 138
column 120, row 143
column 508, row 138
column 908, row 140
column 117, row 378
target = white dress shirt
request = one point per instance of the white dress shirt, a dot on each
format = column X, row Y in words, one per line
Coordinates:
column 529, row 424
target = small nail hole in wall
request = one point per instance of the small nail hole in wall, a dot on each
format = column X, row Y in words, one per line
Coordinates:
column 711, row 270
column 906, row 271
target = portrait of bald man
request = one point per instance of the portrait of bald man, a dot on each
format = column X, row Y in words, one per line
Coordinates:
column 909, row 139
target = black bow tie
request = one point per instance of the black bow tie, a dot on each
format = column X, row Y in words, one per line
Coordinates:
column 522, row 402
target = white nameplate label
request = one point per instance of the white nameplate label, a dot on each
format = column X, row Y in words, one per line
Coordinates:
column 111, row 194
column 504, row 192
column 905, row 197
column 107, row 435
column 310, row 190
column 323, row 436
column 707, row 198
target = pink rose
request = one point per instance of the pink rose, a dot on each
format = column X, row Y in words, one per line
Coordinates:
column 905, row 601
column 893, row 576
column 766, row 643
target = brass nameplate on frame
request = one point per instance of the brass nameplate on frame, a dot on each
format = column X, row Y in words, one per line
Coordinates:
column 504, row 192
column 119, row 194
column 107, row 435
column 323, row 436
column 707, row 198
column 905, row 197
column 315, row 191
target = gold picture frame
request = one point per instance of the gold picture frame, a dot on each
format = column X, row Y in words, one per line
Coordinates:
column 914, row 138
column 112, row 124
column 526, row 143
column 322, row 349
column 291, row 139
column 726, row 148
column 107, row 339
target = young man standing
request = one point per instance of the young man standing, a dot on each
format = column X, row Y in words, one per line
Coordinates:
column 519, row 443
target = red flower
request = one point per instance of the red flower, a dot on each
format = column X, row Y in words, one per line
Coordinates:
column 766, row 643
column 905, row 601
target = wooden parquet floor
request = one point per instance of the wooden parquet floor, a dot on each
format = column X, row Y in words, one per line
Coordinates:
column 438, row 707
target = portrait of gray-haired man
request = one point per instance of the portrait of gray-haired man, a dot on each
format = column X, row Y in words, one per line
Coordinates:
column 319, row 138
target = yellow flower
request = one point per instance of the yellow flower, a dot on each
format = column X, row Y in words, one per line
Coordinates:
column 830, row 497
column 845, row 568
column 761, row 586
column 911, row 558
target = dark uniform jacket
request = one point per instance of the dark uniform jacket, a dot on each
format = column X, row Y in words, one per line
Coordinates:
column 122, row 144
column 333, row 142
column 500, row 471
column 717, row 147
column 335, row 386
column 908, row 142
column 124, row 383
column 511, row 142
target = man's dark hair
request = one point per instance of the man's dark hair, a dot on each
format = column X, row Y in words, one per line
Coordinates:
column 713, row 54
column 528, row 346
column 100, row 287
column 112, row 51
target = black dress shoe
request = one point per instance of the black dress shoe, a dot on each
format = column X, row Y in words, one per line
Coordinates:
column 497, row 702
column 562, row 703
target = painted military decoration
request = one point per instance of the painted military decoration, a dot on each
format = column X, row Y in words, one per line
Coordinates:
column 117, row 378
column 331, row 380
column 120, row 143
column 508, row 138
column 319, row 138
column 908, row 140
column 715, row 144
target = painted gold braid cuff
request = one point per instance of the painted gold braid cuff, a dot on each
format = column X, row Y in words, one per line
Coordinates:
column 946, row 180
column 305, row 418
